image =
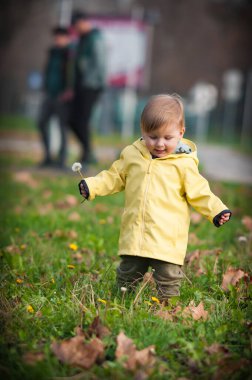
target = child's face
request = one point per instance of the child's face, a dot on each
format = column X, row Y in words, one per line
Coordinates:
column 163, row 141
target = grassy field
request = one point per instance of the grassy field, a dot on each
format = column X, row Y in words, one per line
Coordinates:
column 58, row 260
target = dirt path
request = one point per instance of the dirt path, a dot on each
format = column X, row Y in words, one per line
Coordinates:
column 219, row 163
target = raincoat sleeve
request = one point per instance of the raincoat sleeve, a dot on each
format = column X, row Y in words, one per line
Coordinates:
column 109, row 181
column 199, row 195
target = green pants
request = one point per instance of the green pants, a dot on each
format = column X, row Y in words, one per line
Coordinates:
column 166, row 275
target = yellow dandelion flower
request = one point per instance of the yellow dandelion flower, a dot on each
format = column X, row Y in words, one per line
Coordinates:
column 155, row 299
column 30, row 309
column 102, row 221
column 19, row 281
column 22, row 247
column 70, row 266
column 53, row 281
column 102, row 301
column 73, row 247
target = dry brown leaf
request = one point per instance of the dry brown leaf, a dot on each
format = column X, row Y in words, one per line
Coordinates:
column 31, row 358
column 26, row 178
column 228, row 366
column 74, row 217
column 216, row 348
column 195, row 217
column 12, row 249
column 78, row 257
column 76, row 352
column 45, row 209
column 247, row 222
column 133, row 358
column 231, row 277
column 98, row 329
column 100, row 207
column 164, row 314
column 196, row 312
column 67, row 202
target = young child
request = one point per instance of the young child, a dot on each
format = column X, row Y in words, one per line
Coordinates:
column 160, row 177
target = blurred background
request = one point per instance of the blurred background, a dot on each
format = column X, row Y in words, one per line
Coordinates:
column 200, row 49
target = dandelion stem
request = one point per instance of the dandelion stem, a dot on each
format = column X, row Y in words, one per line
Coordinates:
column 141, row 289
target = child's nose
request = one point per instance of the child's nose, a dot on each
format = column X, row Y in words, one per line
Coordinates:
column 160, row 142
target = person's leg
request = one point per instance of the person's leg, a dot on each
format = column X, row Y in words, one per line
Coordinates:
column 63, row 114
column 168, row 277
column 85, row 102
column 131, row 270
column 45, row 114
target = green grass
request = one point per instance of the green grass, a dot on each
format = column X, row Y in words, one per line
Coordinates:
column 35, row 223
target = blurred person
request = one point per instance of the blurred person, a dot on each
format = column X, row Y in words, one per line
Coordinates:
column 58, row 93
column 160, row 177
column 90, row 78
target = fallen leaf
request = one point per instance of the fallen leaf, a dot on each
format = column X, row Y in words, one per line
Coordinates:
column 228, row 366
column 45, row 209
column 195, row 217
column 74, row 217
column 100, row 207
column 26, row 178
column 216, row 348
column 247, row 222
column 78, row 257
column 47, row 194
column 231, row 277
column 98, row 329
column 12, row 249
column 76, row 352
column 31, row 358
column 196, row 312
column 132, row 358
column 164, row 314
column 67, row 202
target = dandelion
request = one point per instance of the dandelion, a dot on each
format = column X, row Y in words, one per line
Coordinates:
column 52, row 281
column 70, row 266
column 19, row 281
column 23, row 247
column 76, row 167
column 242, row 239
column 155, row 299
column 73, row 247
column 102, row 301
column 30, row 309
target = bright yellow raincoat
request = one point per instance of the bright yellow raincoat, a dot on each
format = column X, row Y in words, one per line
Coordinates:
column 158, row 195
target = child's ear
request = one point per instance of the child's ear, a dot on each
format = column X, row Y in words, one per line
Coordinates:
column 182, row 132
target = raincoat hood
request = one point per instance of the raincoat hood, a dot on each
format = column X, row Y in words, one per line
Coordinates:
column 141, row 146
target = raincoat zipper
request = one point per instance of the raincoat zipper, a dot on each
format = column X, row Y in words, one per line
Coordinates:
column 144, row 204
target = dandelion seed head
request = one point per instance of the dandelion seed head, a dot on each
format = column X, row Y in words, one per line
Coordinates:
column 123, row 289
column 242, row 239
column 76, row 166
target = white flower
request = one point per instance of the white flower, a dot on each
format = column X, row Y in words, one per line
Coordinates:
column 76, row 167
column 123, row 289
column 242, row 239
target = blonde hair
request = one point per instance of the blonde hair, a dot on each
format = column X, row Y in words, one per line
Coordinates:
column 162, row 110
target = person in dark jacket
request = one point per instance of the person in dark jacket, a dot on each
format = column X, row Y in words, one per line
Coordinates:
column 90, row 78
column 58, row 93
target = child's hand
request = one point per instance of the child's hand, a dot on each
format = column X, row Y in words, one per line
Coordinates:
column 224, row 218
column 83, row 189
